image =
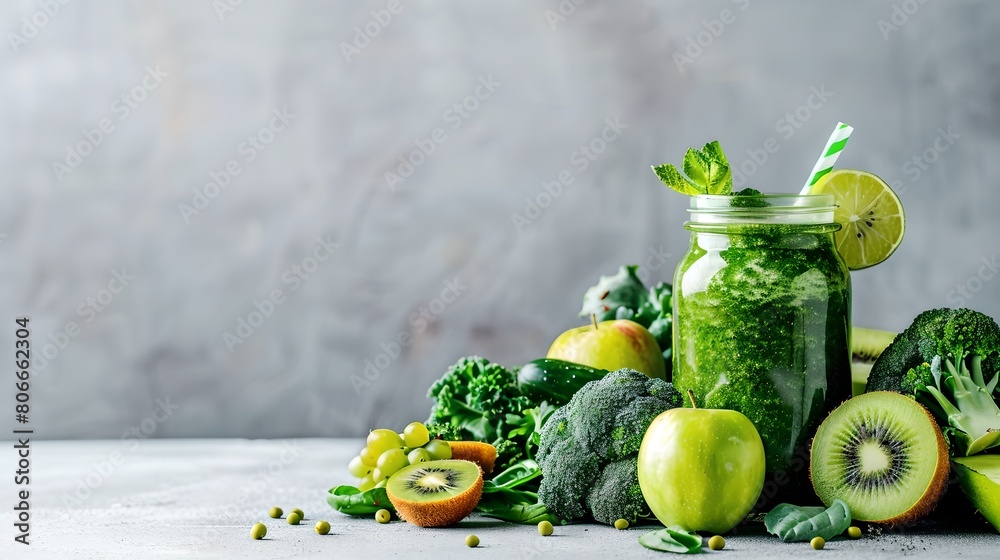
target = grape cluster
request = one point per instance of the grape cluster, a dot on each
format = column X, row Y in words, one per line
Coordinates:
column 386, row 452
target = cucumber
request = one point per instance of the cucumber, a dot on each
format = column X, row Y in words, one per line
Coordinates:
column 555, row 381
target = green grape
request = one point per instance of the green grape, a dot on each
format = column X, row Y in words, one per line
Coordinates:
column 415, row 434
column 358, row 468
column 382, row 440
column 390, row 462
column 368, row 457
column 439, row 450
column 418, row 455
column 377, row 475
column 366, row 483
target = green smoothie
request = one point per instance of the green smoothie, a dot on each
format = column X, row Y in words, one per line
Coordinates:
column 762, row 316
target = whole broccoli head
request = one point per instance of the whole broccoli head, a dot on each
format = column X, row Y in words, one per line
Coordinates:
column 588, row 447
column 938, row 332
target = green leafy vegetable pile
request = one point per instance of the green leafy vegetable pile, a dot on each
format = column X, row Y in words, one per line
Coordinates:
column 588, row 447
column 478, row 400
column 624, row 296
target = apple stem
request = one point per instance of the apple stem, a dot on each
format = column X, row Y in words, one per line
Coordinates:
column 593, row 320
column 691, row 398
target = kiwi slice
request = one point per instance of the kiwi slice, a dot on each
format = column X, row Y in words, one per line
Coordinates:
column 883, row 454
column 866, row 346
column 436, row 493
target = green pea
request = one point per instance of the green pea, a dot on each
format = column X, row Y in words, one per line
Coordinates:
column 544, row 528
column 621, row 524
column 472, row 541
column 854, row 532
column 817, row 543
column 716, row 543
column 258, row 531
column 323, row 527
column 275, row 512
column 302, row 515
column 382, row 516
column 293, row 518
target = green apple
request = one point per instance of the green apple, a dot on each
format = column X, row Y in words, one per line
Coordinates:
column 701, row 469
column 611, row 345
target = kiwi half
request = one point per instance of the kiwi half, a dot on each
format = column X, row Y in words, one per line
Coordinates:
column 436, row 493
column 480, row 453
column 883, row 454
column 866, row 346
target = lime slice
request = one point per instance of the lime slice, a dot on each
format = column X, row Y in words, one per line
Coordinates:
column 870, row 213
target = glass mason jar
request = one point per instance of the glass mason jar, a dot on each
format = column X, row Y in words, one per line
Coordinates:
column 762, row 321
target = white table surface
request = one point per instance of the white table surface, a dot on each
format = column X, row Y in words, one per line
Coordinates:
column 198, row 499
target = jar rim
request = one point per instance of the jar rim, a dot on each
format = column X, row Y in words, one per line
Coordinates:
column 773, row 202
column 769, row 208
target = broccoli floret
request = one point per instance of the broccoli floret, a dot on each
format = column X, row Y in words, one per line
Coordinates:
column 616, row 493
column 937, row 332
column 948, row 360
column 586, row 446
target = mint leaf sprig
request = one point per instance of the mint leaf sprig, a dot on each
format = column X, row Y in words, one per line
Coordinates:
column 707, row 172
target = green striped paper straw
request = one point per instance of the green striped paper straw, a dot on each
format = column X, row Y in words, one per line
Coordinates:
column 831, row 152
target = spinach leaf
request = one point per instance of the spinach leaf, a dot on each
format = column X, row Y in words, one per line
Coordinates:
column 798, row 524
column 350, row 500
column 527, row 514
column 502, row 499
column 672, row 539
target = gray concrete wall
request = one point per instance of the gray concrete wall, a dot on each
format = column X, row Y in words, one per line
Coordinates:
column 216, row 77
